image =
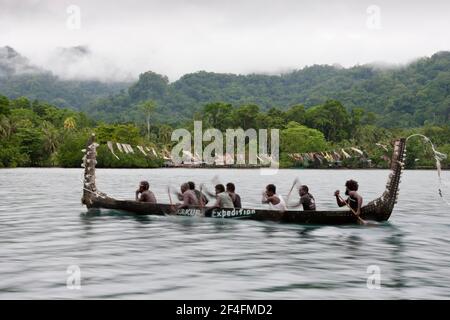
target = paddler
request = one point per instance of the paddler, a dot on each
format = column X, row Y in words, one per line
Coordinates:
column 223, row 199
column 234, row 196
column 188, row 197
column 306, row 199
column 200, row 196
column 354, row 200
column 271, row 197
column 143, row 194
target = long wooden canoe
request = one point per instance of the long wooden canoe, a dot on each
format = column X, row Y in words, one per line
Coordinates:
column 379, row 209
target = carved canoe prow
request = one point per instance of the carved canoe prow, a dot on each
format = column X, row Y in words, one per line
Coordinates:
column 89, row 162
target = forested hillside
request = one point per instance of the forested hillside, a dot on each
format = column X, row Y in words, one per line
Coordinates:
column 409, row 96
column 18, row 77
column 34, row 133
column 413, row 95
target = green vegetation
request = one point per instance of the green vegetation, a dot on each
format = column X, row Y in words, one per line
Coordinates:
column 45, row 86
column 316, row 108
column 393, row 97
column 414, row 95
column 38, row 134
column 34, row 133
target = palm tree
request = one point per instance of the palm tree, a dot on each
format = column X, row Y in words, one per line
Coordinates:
column 6, row 127
column 165, row 132
column 148, row 107
column 70, row 123
column 51, row 137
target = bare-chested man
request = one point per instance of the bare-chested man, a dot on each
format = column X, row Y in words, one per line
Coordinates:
column 143, row 193
column 188, row 196
column 203, row 200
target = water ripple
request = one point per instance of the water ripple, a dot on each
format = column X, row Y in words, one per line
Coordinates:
column 45, row 230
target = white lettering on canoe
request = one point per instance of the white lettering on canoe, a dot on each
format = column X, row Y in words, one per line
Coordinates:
column 188, row 212
column 231, row 213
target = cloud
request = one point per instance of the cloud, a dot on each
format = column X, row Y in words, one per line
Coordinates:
column 126, row 38
column 11, row 62
column 79, row 62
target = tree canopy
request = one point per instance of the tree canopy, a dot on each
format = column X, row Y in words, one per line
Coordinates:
column 413, row 95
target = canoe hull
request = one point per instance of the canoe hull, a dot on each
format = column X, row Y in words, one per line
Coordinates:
column 337, row 217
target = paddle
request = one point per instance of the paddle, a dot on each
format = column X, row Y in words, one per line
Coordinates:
column 170, row 197
column 215, row 180
column 201, row 197
column 296, row 180
column 209, row 194
column 360, row 220
column 172, row 206
column 179, row 195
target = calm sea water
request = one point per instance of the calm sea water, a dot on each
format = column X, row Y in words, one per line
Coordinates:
column 44, row 230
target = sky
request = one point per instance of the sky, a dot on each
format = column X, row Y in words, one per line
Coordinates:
column 121, row 39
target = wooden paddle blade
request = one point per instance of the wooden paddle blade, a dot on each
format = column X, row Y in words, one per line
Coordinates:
column 359, row 219
column 296, row 180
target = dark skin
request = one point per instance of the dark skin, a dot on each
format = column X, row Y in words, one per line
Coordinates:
column 143, row 194
column 188, row 199
column 351, row 193
column 268, row 197
column 301, row 193
column 232, row 194
column 139, row 190
column 183, row 188
column 203, row 200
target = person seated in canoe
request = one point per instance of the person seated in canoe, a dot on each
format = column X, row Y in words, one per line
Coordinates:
column 306, row 199
column 234, row 196
column 271, row 197
column 354, row 200
column 143, row 194
column 202, row 199
column 223, row 199
column 188, row 197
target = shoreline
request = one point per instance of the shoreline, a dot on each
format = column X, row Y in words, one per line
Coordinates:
column 238, row 168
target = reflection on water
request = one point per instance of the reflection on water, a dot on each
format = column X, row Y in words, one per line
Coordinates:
column 397, row 259
column 46, row 230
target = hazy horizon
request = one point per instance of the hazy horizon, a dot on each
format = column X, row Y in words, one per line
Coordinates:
column 121, row 40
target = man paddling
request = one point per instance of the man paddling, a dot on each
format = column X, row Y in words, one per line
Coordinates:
column 188, row 196
column 223, row 199
column 234, row 196
column 143, row 194
column 202, row 199
column 354, row 200
column 271, row 197
column 306, row 199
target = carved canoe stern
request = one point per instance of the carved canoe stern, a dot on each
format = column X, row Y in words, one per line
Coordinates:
column 381, row 208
